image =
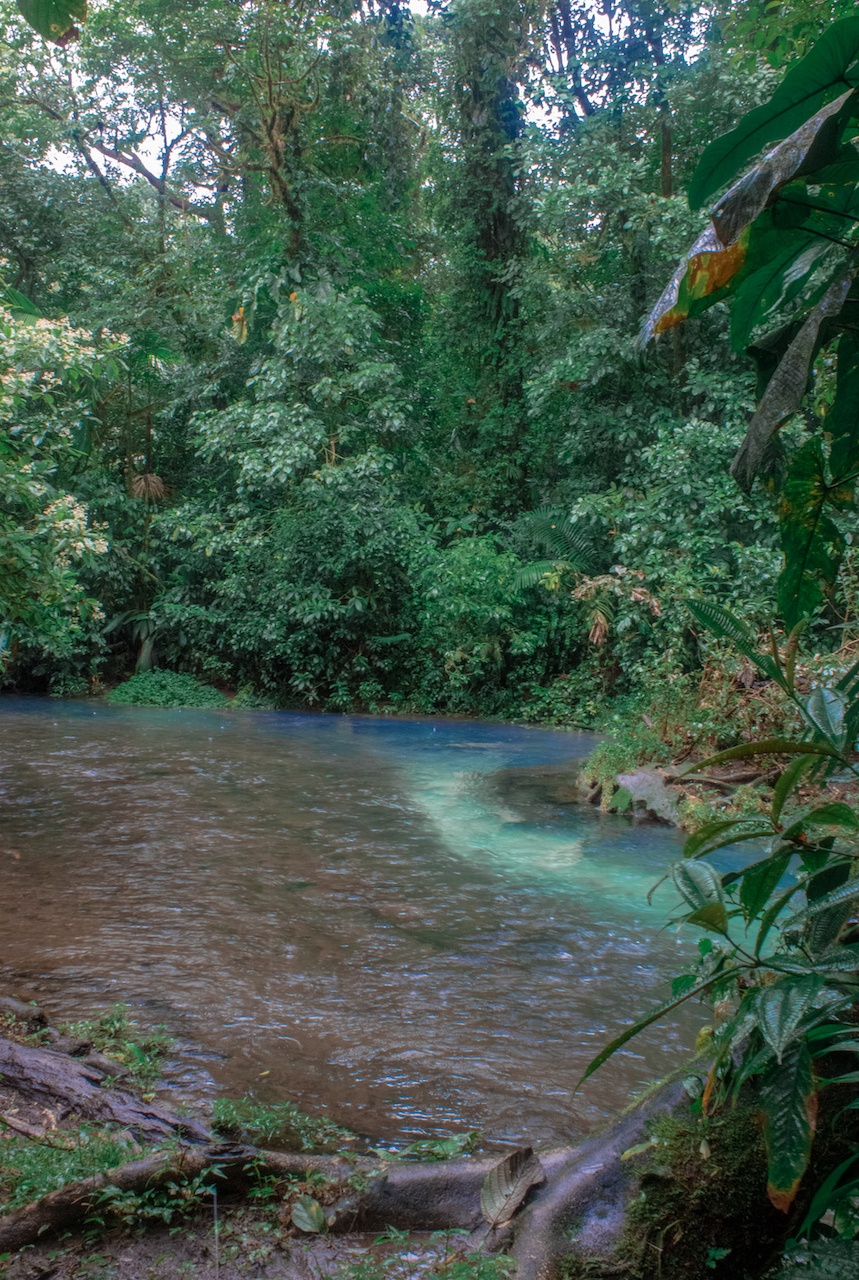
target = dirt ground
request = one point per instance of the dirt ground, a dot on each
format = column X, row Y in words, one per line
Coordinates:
column 249, row 1245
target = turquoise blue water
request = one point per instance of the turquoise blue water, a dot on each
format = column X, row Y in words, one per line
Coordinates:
column 399, row 922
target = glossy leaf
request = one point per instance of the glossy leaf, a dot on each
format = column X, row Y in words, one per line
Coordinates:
column 827, row 709
column 781, row 1007
column 822, row 75
column 759, row 882
column 713, row 917
column 789, row 780
column 825, row 1194
column 780, row 265
column 771, row 915
column 724, row 831
column 835, row 813
column 766, row 747
column 842, row 421
column 838, row 897
column 697, row 883
column 507, row 1184
column 789, row 1104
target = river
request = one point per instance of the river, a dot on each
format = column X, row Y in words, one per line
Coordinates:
column 391, row 922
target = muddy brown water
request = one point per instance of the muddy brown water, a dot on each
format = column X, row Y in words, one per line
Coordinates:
column 392, row 922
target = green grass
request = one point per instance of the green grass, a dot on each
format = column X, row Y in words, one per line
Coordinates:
column 279, row 1122
column 29, row 1170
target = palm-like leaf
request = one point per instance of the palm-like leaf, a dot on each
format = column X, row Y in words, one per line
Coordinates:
column 559, row 536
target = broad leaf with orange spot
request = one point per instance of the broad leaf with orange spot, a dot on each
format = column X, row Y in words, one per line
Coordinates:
column 789, row 1104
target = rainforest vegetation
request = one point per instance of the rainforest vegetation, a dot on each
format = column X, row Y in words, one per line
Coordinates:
column 322, row 375
column 339, row 369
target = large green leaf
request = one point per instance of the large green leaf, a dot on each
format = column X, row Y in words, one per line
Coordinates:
column 697, row 883
column 826, row 709
column 789, row 1104
column 54, row 19
column 308, row 1215
column 813, row 144
column 18, row 304
column 842, row 421
column 721, row 832
column 787, row 386
column 822, row 75
column 838, row 897
column 760, row 881
column 782, row 1006
column 834, row 814
column 811, row 541
column 780, row 264
column 771, row 915
column 766, row 747
column 713, row 918
column 787, row 784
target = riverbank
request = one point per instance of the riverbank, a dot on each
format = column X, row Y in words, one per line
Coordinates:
column 84, row 1200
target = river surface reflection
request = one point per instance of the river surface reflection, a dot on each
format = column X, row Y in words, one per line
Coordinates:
column 391, row 921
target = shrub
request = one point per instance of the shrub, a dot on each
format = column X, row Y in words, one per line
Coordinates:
column 165, row 689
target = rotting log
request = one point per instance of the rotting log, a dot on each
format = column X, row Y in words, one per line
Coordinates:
column 46, row 1074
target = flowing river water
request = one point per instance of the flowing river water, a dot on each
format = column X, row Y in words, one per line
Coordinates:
column 392, row 922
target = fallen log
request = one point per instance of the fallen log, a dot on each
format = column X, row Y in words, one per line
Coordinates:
column 46, row 1074
column 588, row 1186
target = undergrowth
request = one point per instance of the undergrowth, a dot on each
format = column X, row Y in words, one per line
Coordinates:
column 115, row 1034
column 157, row 1204
column 163, row 688
column 823, row 1260
column 278, row 1123
column 699, row 1212
column 29, row 1170
column 448, row 1259
column 429, row 1149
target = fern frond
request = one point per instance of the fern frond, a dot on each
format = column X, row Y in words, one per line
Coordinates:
column 532, row 575
column 724, row 625
column 554, row 532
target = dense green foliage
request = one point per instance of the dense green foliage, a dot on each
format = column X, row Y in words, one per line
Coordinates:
column 779, row 957
column 348, row 407
column 165, row 689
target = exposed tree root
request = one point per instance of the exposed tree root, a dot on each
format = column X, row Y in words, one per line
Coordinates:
column 80, row 1087
column 414, row 1196
column 574, row 1222
column 588, row 1187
